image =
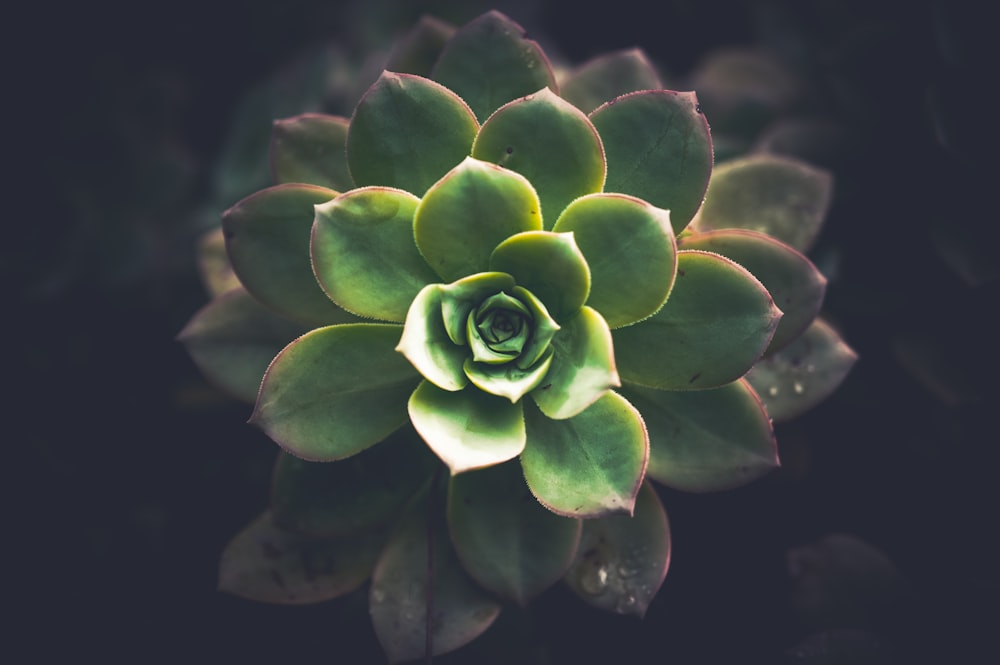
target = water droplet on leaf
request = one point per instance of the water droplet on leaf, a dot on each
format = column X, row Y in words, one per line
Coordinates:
column 798, row 388
column 594, row 580
column 773, row 391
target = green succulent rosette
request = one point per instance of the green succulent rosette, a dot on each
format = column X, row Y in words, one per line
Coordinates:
column 476, row 271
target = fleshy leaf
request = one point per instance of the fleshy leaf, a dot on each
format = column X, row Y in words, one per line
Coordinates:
column 658, row 148
column 795, row 284
column 488, row 62
column 467, row 429
column 398, row 598
column 407, row 132
column 364, row 255
column 214, row 268
column 470, row 211
column 622, row 560
column 508, row 380
column 462, row 296
column 717, row 323
column 233, row 338
column 548, row 141
column 426, row 344
column 507, row 541
column 780, row 196
column 589, row 465
column 267, row 238
column 544, row 328
column 630, row 248
column 418, row 50
column 550, row 265
column 804, row 373
column 309, row 148
column 331, row 499
column 268, row 564
column 336, row 391
column 608, row 76
column 583, row 367
column 692, row 448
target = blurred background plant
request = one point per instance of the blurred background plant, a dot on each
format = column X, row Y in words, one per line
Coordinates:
column 124, row 473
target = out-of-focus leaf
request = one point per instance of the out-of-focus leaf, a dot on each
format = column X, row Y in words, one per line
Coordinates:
column 551, row 143
column 398, row 598
column 715, row 326
column 589, row 465
column 692, row 448
column 267, row 239
column 336, row 391
column 407, row 132
column 658, row 148
column 622, row 559
column 233, row 339
column 310, row 148
column 780, row 196
column 804, row 373
column 330, row 499
column 506, row 540
column 268, row 564
column 418, row 50
column 488, row 62
column 213, row 264
column 607, row 76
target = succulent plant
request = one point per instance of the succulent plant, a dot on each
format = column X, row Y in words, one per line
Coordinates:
column 478, row 275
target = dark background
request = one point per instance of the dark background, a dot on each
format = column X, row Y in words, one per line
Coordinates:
column 128, row 474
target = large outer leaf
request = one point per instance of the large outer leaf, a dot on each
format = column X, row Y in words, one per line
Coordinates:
column 622, row 560
column 407, row 132
column 399, row 591
column 336, row 391
column 267, row 238
column 706, row 440
column 608, row 76
column 469, row 212
column 507, row 541
column 630, row 248
column 467, row 429
column 310, row 148
column 548, row 141
column 338, row 498
column 782, row 197
column 233, row 339
column 488, row 62
column 658, row 148
column 716, row 324
column 804, row 373
column 364, row 255
column 589, row 465
column 795, row 284
column 270, row 565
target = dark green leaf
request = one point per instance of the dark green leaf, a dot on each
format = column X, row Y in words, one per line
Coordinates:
column 488, row 62
column 658, row 148
column 336, row 391
column 715, row 326
column 309, row 148
column 267, row 238
column 418, row 50
column 608, row 76
column 507, row 541
column 407, row 132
